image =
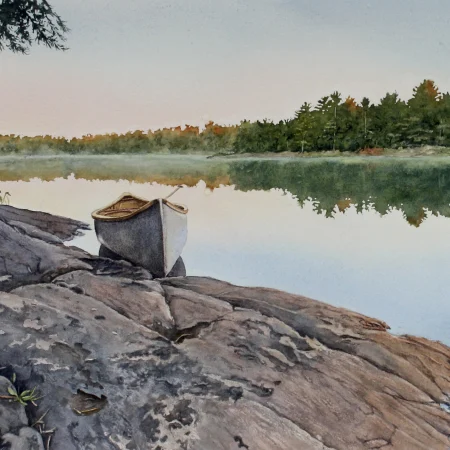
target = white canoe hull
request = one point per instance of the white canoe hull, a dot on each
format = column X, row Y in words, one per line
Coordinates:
column 153, row 237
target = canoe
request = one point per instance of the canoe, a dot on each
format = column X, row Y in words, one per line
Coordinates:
column 149, row 233
column 178, row 270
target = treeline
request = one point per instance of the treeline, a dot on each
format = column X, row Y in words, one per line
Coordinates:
column 334, row 123
column 341, row 124
column 213, row 138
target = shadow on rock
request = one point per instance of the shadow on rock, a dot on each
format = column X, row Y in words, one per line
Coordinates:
column 178, row 270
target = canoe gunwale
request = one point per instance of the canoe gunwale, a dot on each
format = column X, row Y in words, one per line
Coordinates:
column 97, row 214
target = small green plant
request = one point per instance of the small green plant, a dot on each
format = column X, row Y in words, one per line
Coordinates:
column 24, row 397
column 4, row 199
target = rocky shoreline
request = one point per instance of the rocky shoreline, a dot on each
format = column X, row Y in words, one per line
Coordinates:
column 123, row 361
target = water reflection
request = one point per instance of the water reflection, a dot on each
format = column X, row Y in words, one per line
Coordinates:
column 413, row 187
column 366, row 257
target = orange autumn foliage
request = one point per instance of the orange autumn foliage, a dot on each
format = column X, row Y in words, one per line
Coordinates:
column 377, row 151
column 351, row 104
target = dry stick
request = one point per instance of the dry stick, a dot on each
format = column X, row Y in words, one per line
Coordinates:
column 39, row 421
column 48, row 431
column 48, row 442
column 85, row 411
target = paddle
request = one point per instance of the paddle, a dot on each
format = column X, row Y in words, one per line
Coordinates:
column 170, row 195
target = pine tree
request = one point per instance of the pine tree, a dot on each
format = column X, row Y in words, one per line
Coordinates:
column 423, row 113
column 443, row 129
column 335, row 100
column 365, row 105
column 388, row 119
column 303, row 126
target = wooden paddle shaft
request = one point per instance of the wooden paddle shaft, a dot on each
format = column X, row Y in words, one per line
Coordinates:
column 170, row 195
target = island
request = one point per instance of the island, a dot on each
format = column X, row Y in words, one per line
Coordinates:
column 96, row 354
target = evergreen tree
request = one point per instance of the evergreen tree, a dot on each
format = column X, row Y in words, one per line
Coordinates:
column 348, row 127
column 335, row 101
column 387, row 121
column 303, row 126
column 443, row 128
column 365, row 107
column 423, row 114
column 323, row 127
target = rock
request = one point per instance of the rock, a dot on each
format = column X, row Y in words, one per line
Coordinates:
column 60, row 227
column 338, row 329
column 191, row 309
column 145, row 304
column 35, row 232
column 28, row 255
column 126, row 362
column 12, row 414
column 27, row 247
column 25, row 259
column 26, row 439
column 14, row 431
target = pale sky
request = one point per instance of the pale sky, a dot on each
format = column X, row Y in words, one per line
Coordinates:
column 145, row 64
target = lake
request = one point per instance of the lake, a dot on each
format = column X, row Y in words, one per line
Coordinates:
column 368, row 234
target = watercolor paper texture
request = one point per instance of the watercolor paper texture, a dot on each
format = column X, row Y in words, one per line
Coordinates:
column 311, row 140
column 273, row 78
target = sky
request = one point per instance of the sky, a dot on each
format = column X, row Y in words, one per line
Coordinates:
column 146, row 64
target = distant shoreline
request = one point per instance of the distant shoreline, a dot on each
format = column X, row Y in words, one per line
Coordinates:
column 404, row 153
column 425, row 151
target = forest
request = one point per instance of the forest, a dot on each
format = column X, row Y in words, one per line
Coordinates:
column 333, row 123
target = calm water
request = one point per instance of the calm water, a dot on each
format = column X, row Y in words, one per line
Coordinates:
column 370, row 234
